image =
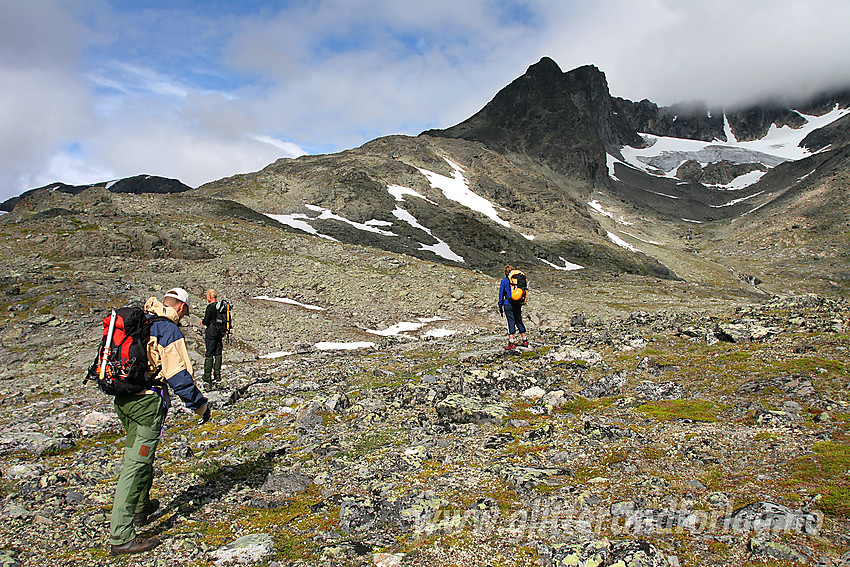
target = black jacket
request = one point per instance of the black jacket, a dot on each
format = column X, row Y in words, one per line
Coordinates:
column 213, row 321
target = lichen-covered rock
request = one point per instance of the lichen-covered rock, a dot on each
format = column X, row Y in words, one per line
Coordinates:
column 572, row 354
column 602, row 553
column 767, row 516
column 34, row 443
column 98, row 422
column 247, row 549
column 286, row 482
column 776, row 417
column 652, row 520
column 742, row 332
column 796, row 385
column 484, row 383
column 526, row 477
column 9, row 558
column 607, row 431
column 461, row 409
column 761, row 545
column 607, row 386
column 359, row 515
column 660, row 391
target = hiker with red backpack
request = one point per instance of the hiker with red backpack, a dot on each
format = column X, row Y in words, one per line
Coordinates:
column 143, row 354
column 513, row 291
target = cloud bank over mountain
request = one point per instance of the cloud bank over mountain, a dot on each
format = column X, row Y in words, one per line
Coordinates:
column 200, row 90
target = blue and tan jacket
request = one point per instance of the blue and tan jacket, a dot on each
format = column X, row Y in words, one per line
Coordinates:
column 167, row 352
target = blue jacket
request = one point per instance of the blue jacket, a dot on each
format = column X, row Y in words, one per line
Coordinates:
column 504, row 292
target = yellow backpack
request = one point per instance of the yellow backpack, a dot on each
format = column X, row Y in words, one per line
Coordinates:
column 519, row 286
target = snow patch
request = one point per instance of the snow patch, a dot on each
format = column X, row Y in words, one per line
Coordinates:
column 298, row 221
column 289, row 301
column 642, row 240
column 568, row 266
column 404, row 327
column 441, row 248
column 741, row 181
column 622, row 243
column 326, row 214
column 597, row 206
column 662, row 194
column 399, row 192
column 439, row 333
column 301, row 222
column 611, row 162
column 456, row 188
column 736, row 201
column 343, row 346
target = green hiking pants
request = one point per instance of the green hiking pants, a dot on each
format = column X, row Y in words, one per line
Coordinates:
column 142, row 417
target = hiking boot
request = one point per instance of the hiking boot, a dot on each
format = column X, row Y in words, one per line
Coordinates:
column 510, row 346
column 137, row 545
column 142, row 518
column 523, row 343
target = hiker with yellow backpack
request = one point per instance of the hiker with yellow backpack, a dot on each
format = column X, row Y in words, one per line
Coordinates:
column 218, row 323
column 512, row 295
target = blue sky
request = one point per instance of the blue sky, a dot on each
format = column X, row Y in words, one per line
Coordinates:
column 94, row 90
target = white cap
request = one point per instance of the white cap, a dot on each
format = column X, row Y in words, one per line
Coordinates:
column 179, row 294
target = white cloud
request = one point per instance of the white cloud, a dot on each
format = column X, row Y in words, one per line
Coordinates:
column 724, row 52
column 200, row 94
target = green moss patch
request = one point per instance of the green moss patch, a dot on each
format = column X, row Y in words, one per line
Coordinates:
column 826, row 473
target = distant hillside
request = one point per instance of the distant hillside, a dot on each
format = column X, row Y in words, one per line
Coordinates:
column 556, row 174
column 136, row 185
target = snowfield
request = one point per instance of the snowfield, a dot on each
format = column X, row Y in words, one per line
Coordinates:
column 663, row 155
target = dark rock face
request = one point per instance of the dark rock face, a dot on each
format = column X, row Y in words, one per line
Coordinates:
column 835, row 135
column 566, row 120
column 719, row 173
column 691, row 121
column 695, row 121
column 136, row 185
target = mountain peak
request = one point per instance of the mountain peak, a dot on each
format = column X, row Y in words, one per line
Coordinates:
column 567, row 120
column 546, row 66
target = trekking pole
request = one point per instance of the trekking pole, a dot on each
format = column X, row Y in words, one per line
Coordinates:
column 107, row 346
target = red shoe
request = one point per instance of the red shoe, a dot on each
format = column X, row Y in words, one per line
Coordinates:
column 523, row 343
column 510, row 346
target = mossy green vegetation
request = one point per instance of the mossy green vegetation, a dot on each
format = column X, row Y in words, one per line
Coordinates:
column 824, row 472
column 375, row 441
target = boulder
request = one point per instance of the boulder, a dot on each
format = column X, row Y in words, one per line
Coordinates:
column 248, row 549
column 461, row 409
column 607, row 386
column 761, row 545
column 286, row 482
column 767, row 516
column 602, row 553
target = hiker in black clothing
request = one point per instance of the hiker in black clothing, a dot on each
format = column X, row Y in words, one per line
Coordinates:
column 213, row 339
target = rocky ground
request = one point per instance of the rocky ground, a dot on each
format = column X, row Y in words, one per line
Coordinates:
column 651, row 422
column 654, row 439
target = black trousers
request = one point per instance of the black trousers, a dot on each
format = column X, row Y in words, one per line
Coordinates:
column 215, row 346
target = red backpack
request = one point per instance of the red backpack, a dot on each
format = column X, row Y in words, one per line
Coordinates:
column 121, row 365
